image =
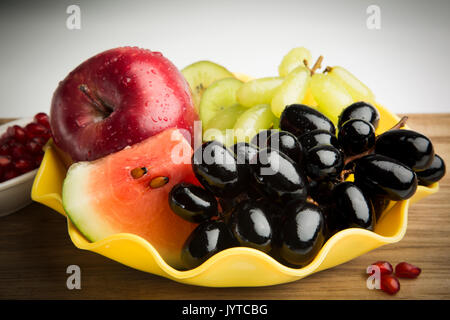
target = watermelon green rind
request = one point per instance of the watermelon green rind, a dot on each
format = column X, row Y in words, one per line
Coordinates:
column 101, row 198
column 69, row 192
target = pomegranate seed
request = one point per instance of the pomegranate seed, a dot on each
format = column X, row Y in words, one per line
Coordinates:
column 4, row 149
column 23, row 165
column 36, row 130
column 12, row 142
column 33, row 147
column 18, row 133
column 4, row 137
column 42, row 118
column 4, row 140
column 18, row 151
column 407, row 270
column 40, row 140
column 384, row 266
column 47, row 136
column 5, row 161
column 9, row 174
column 389, row 284
column 10, row 132
column 38, row 160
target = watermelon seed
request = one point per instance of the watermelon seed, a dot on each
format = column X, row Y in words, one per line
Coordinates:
column 158, row 182
column 136, row 173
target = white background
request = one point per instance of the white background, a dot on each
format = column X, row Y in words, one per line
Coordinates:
column 406, row 63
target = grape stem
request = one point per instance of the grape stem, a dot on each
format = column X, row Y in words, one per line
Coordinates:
column 312, row 201
column 345, row 174
column 224, row 207
column 317, row 65
column 357, row 156
column 400, row 124
column 327, row 69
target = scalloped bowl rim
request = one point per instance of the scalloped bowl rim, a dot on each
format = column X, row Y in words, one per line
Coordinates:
column 183, row 274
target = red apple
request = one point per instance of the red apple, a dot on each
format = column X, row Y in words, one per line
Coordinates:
column 118, row 98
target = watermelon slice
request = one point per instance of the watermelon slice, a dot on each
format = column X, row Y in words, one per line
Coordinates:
column 102, row 197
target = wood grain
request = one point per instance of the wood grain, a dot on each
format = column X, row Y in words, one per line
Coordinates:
column 35, row 251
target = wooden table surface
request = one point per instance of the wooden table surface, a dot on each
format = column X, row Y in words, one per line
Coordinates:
column 35, row 251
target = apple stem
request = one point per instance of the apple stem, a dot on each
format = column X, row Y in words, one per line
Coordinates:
column 96, row 101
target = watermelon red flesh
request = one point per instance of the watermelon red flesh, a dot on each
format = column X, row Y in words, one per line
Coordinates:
column 102, row 198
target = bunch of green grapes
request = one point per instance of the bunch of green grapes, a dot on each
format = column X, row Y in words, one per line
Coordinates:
column 232, row 110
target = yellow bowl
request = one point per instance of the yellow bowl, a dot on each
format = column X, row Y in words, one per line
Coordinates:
column 235, row 267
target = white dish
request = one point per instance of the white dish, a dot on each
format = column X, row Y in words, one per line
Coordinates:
column 16, row 193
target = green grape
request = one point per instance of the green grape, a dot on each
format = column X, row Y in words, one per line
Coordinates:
column 276, row 123
column 330, row 95
column 292, row 90
column 309, row 99
column 258, row 91
column 253, row 120
column 358, row 90
column 226, row 118
column 293, row 59
column 200, row 75
column 220, row 95
column 224, row 136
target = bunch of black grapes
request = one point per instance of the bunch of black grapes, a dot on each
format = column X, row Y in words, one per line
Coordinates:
column 285, row 193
